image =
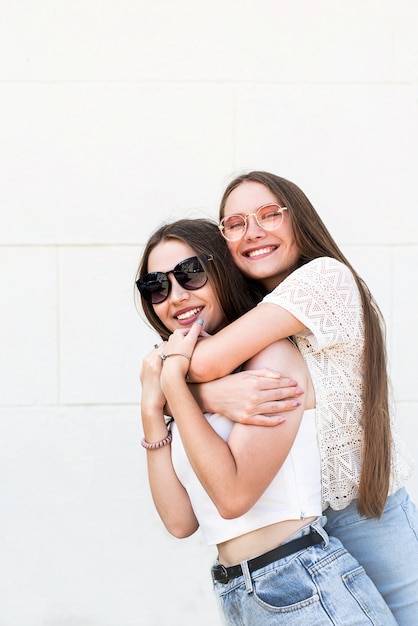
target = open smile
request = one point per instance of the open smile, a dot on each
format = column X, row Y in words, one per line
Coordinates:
column 189, row 314
column 251, row 254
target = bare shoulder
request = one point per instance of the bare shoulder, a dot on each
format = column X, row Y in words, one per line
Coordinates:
column 284, row 356
column 276, row 356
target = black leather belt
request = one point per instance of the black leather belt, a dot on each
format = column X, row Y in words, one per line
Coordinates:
column 223, row 574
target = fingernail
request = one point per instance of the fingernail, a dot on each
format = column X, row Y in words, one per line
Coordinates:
column 200, row 321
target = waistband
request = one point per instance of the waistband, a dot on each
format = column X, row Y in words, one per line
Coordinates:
column 223, row 574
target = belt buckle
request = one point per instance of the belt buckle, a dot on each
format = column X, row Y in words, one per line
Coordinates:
column 219, row 573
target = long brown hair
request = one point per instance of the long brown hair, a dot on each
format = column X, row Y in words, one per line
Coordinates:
column 236, row 294
column 314, row 240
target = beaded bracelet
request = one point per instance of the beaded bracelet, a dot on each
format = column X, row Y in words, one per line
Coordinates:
column 157, row 444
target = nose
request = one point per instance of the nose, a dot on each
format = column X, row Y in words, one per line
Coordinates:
column 253, row 230
column 178, row 293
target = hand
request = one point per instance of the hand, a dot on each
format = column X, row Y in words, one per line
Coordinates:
column 179, row 349
column 152, row 397
column 256, row 397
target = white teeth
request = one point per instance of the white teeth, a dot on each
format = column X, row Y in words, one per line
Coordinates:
column 259, row 252
column 189, row 314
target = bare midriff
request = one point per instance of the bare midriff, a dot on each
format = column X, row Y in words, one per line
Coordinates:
column 258, row 541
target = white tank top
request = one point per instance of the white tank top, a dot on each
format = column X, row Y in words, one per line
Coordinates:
column 294, row 493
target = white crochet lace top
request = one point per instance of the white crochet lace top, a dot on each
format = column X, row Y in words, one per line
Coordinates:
column 323, row 295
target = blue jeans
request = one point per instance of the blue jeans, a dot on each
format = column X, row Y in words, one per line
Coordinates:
column 387, row 548
column 316, row 586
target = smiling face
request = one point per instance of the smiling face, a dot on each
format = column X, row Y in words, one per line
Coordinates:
column 267, row 256
column 182, row 307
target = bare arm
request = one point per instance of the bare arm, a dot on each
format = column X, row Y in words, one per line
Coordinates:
column 170, row 498
column 256, row 397
column 221, row 354
column 233, row 473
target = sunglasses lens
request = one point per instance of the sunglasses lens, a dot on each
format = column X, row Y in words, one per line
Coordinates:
column 154, row 288
column 190, row 274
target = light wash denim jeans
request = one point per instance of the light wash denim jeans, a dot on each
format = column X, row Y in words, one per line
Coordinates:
column 316, row 586
column 387, row 548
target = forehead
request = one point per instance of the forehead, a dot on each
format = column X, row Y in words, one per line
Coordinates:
column 167, row 254
column 248, row 197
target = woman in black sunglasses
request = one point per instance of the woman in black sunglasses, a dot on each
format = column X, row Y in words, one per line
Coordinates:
column 255, row 492
column 236, row 294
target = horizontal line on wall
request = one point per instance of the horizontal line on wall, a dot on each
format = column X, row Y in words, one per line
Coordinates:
column 203, row 82
column 353, row 244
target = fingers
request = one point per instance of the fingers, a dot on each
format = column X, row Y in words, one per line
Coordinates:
column 262, row 420
column 280, row 388
column 185, row 339
column 284, row 387
column 278, row 406
column 203, row 333
column 280, row 394
column 195, row 330
column 158, row 350
column 280, row 380
column 266, row 413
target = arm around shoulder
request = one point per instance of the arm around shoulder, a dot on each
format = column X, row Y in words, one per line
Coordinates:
column 220, row 354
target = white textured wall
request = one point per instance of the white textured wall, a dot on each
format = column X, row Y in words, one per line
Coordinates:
column 115, row 115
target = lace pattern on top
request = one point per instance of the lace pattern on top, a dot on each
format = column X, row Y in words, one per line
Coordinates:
column 323, row 295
